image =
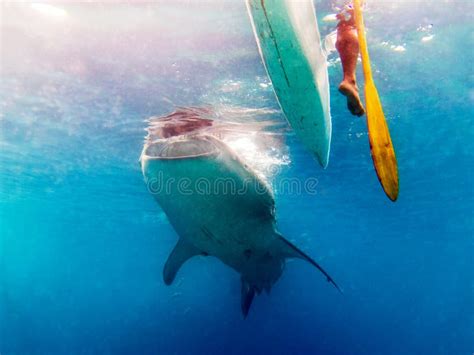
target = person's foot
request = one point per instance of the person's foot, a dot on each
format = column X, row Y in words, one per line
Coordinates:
column 354, row 104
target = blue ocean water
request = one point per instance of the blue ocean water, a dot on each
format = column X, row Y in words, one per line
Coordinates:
column 83, row 244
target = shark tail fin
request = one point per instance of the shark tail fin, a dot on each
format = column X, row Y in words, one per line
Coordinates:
column 247, row 293
column 182, row 252
column 293, row 251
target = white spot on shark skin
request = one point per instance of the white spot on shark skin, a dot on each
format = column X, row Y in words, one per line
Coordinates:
column 427, row 38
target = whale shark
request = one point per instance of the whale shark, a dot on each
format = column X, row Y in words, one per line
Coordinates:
column 216, row 202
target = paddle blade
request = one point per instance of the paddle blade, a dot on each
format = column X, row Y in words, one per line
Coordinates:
column 381, row 147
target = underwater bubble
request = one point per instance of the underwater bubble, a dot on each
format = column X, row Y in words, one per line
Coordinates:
column 427, row 38
column 398, row 48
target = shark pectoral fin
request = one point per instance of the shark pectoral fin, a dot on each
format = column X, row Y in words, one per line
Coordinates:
column 291, row 251
column 181, row 252
column 247, row 292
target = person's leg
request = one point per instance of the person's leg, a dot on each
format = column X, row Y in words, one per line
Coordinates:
column 347, row 45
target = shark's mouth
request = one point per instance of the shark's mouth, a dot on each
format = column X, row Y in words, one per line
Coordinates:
column 191, row 132
column 181, row 148
column 183, row 121
column 180, row 135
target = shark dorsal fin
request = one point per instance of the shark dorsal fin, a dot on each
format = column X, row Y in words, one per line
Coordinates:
column 292, row 251
column 182, row 252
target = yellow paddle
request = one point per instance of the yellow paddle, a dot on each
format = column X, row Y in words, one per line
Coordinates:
column 381, row 147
